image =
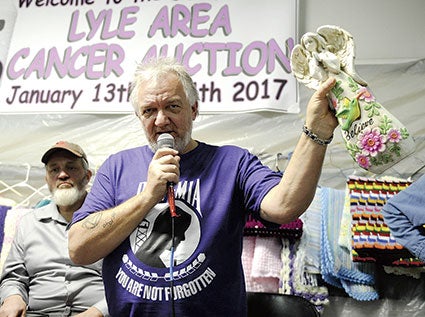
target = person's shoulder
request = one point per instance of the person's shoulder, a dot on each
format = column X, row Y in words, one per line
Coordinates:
column 419, row 184
column 125, row 154
column 226, row 149
column 26, row 217
column 229, row 152
column 46, row 211
column 416, row 188
column 235, row 150
column 131, row 151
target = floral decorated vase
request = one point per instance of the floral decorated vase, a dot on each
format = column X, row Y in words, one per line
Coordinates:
column 374, row 138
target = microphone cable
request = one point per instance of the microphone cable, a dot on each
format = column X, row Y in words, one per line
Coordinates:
column 166, row 140
column 172, row 206
column 173, row 312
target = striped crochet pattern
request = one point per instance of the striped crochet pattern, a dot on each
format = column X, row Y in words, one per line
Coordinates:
column 372, row 240
column 254, row 227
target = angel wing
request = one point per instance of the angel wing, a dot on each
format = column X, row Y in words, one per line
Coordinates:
column 341, row 43
column 300, row 67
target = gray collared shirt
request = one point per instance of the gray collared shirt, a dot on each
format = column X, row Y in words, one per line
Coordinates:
column 39, row 269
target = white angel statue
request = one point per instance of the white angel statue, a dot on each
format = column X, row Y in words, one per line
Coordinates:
column 375, row 139
column 330, row 50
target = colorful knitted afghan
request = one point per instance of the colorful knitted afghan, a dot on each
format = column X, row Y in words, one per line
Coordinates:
column 372, row 240
column 254, row 227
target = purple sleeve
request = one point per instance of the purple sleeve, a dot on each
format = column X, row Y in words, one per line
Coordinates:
column 257, row 180
column 100, row 196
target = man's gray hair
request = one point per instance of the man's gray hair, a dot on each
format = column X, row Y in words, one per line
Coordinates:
column 155, row 67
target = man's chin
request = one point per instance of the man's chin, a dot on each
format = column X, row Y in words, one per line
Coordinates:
column 66, row 196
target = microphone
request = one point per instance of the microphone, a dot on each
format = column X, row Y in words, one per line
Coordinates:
column 166, row 140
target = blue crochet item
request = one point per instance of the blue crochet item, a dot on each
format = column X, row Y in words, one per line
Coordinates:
column 337, row 267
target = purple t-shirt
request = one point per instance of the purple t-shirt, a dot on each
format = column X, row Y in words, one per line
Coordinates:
column 217, row 187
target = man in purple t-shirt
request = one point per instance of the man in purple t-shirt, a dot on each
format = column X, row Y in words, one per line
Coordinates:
column 156, row 264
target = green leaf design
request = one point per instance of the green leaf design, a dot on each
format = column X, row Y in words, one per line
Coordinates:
column 372, row 109
column 352, row 84
column 381, row 159
column 404, row 133
column 395, row 148
column 386, row 124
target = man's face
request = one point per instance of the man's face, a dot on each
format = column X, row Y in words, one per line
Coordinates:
column 66, row 178
column 164, row 108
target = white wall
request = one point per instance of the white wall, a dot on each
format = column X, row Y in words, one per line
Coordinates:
column 383, row 30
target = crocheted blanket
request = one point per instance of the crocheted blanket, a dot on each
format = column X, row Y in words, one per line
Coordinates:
column 372, row 240
column 255, row 227
column 337, row 267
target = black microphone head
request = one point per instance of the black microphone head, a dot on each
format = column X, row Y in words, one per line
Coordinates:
column 165, row 140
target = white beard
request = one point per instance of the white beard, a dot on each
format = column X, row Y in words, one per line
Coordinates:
column 67, row 196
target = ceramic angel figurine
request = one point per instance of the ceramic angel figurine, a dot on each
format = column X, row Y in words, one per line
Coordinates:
column 375, row 139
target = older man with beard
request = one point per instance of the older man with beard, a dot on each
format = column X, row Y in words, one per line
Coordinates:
column 216, row 187
column 38, row 278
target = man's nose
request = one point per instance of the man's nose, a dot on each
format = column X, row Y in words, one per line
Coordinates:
column 63, row 174
column 161, row 118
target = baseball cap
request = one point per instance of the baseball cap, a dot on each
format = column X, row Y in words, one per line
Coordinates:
column 64, row 145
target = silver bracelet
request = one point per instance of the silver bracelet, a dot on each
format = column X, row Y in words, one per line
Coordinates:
column 315, row 138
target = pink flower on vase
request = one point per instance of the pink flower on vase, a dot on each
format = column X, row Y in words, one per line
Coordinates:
column 371, row 141
column 394, row 136
column 363, row 160
column 365, row 94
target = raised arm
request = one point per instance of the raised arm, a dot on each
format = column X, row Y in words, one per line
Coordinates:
column 292, row 196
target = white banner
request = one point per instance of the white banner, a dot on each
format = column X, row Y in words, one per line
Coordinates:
column 80, row 55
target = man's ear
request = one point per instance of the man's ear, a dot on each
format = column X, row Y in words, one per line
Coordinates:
column 89, row 175
column 195, row 110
